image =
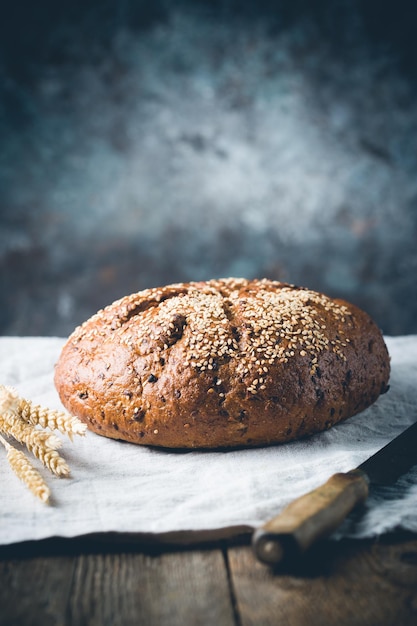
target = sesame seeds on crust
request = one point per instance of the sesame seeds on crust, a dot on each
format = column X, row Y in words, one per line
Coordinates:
column 222, row 363
column 255, row 323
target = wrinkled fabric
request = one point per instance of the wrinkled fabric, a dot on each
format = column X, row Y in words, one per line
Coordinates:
column 120, row 487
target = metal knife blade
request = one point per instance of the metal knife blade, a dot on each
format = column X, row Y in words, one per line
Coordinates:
column 319, row 512
column 393, row 460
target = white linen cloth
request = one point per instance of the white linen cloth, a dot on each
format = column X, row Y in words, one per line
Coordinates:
column 126, row 488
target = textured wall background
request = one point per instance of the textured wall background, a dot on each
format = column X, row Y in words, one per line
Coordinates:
column 191, row 140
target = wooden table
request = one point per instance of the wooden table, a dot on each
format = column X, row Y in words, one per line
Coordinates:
column 108, row 582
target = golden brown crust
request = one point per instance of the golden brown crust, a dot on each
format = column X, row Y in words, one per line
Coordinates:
column 222, row 363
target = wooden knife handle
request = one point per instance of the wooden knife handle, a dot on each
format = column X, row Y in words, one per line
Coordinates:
column 310, row 517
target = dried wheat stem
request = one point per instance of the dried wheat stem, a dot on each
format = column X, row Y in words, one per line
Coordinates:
column 42, row 445
column 26, row 472
column 52, row 460
column 19, row 418
column 53, row 419
column 23, row 433
column 9, row 399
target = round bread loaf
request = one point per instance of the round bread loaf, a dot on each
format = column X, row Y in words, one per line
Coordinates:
column 228, row 362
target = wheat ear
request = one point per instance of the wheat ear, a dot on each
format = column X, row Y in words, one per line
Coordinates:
column 24, row 470
column 26, row 434
column 9, row 399
column 18, row 419
column 42, row 445
column 49, row 418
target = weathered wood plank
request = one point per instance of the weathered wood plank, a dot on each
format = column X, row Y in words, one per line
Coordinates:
column 106, row 589
column 35, row 591
column 348, row 584
column 174, row 589
column 352, row 584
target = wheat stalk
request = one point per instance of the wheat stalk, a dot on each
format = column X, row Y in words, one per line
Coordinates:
column 24, row 470
column 12, row 424
column 9, row 399
column 20, row 419
column 52, row 419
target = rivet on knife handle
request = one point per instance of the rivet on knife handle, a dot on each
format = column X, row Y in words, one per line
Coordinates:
column 310, row 517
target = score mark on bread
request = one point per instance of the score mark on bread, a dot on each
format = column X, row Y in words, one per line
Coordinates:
column 222, row 363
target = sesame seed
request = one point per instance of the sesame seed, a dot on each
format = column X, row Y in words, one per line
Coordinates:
column 275, row 321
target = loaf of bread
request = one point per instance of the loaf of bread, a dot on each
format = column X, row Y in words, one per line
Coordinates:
column 222, row 363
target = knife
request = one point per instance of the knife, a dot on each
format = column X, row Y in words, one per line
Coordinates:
column 318, row 513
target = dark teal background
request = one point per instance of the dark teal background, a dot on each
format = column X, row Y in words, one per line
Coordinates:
column 147, row 143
